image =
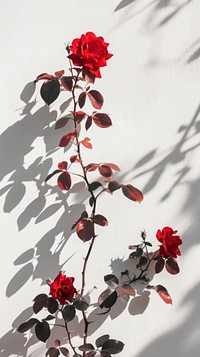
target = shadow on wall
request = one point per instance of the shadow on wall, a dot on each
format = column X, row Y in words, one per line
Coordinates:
column 177, row 154
column 21, row 137
column 171, row 9
column 183, row 340
column 123, row 4
column 13, row 342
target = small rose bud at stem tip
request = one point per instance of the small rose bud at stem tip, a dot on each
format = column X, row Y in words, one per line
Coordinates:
column 143, row 234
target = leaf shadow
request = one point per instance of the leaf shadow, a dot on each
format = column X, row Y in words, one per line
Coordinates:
column 176, row 155
column 123, row 4
column 187, row 332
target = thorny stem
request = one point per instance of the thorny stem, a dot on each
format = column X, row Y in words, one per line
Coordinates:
column 143, row 270
column 93, row 211
column 69, row 338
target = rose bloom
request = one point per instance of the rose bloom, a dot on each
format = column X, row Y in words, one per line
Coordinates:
column 62, row 288
column 90, row 52
column 170, row 242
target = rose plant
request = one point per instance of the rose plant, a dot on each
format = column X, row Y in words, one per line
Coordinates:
column 87, row 55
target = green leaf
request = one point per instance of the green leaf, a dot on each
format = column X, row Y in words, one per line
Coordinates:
column 42, row 331
column 101, row 340
column 50, row 91
column 49, row 318
column 80, row 303
column 27, row 325
column 52, row 305
column 113, row 346
column 68, row 313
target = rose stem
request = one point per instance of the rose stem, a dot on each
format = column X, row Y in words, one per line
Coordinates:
column 69, row 338
column 93, row 210
column 143, row 270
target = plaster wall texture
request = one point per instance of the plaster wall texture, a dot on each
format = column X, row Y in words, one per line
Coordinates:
column 152, row 93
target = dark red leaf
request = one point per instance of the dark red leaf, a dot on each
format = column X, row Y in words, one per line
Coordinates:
column 81, row 99
column 61, row 122
column 89, row 77
column 91, row 201
column 111, row 280
column 92, row 354
column 44, row 76
column 50, row 91
column 64, row 181
column 63, row 165
column 83, row 215
column 73, row 158
column 172, row 266
column 52, row 352
column 91, row 167
column 88, row 123
column 126, row 289
column 64, row 351
column 100, row 220
column 107, row 298
column 86, row 142
column 112, row 166
column 86, row 347
column 114, row 185
column 66, row 139
column 49, row 318
column 163, row 293
column 67, row 83
column 78, row 116
column 58, row 74
column 57, row 343
column 80, row 303
column 40, row 301
column 52, row 174
column 102, row 120
column 85, row 229
column 96, row 98
column 105, row 171
column 132, row 193
column 159, row 265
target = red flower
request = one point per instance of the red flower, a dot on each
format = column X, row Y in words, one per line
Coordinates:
column 90, row 52
column 170, row 243
column 62, row 288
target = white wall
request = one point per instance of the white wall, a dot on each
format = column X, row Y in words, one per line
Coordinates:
column 152, row 92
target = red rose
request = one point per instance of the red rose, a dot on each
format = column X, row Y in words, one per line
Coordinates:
column 62, row 288
column 170, row 243
column 89, row 52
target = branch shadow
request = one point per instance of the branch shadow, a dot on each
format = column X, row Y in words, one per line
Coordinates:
column 157, row 10
column 123, row 4
column 43, row 260
column 187, row 332
column 177, row 154
column 135, row 305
